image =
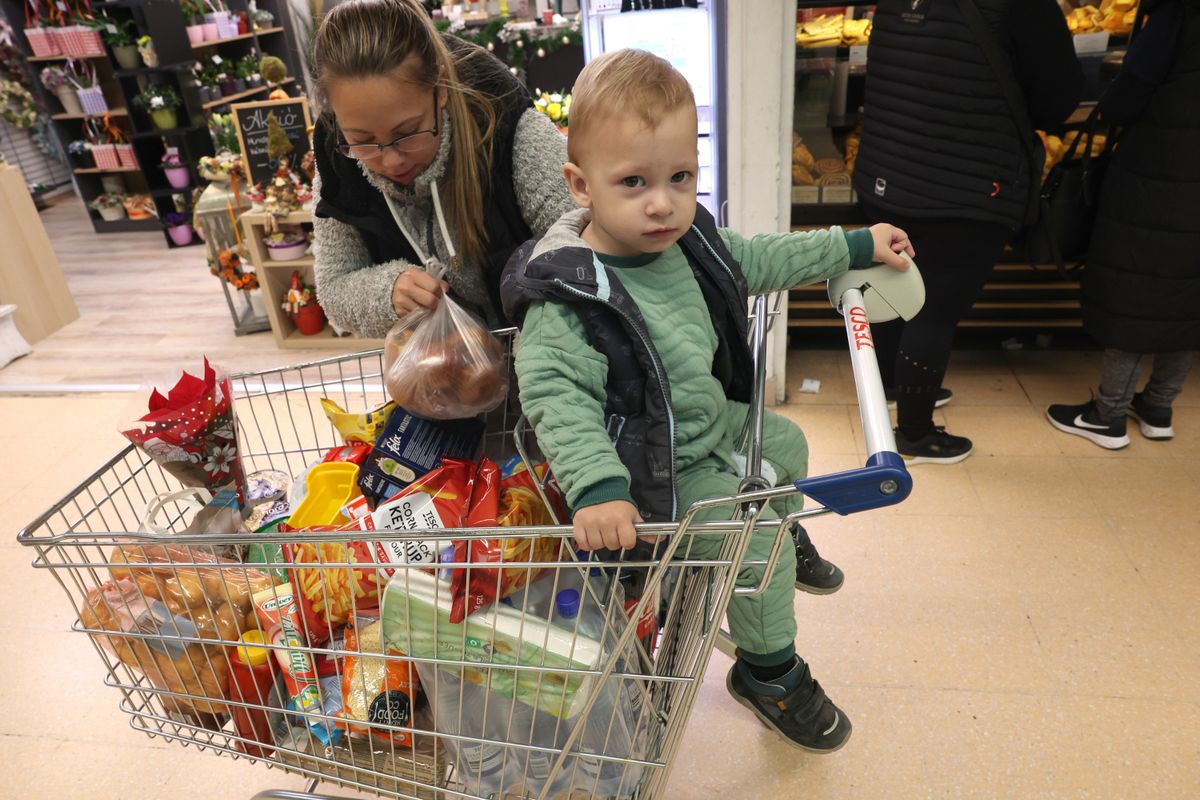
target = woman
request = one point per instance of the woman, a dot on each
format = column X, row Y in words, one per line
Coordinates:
column 942, row 157
column 428, row 150
column 1141, row 287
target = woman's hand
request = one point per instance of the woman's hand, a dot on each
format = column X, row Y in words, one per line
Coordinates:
column 607, row 525
column 889, row 242
column 416, row 288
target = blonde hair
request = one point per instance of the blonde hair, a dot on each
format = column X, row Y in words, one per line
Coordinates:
column 368, row 38
column 624, row 82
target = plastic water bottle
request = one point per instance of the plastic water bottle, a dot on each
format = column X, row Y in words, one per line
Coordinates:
column 481, row 765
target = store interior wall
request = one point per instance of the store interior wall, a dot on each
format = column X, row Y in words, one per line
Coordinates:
column 760, row 50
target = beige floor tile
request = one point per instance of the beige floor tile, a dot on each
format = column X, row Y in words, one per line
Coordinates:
column 1045, row 388
column 1025, row 486
column 1166, row 558
column 940, row 489
column 827, row 428
column 999, row 430
column 1159, row 488
column 980, row 386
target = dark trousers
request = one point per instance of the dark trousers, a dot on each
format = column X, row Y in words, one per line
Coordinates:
column 955, row 258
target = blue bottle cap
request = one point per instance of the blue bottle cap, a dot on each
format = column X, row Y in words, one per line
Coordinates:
column 567, row 603
column 446, row 556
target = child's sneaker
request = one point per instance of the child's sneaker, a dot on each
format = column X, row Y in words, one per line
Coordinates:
column 814, row 574
column 944, row 396
column 935, row 447
column 1155, row 422
column 794, row 706
column 1083, row 420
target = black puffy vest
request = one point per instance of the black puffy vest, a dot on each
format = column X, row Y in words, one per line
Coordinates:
column 939, row 140
column 348, row 197
column 637, row 411
column 1141, row 286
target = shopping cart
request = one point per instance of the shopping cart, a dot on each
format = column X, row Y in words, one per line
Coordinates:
column 528, row 698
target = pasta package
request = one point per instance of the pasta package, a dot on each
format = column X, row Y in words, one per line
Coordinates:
column 377, row 688
column 510, row 501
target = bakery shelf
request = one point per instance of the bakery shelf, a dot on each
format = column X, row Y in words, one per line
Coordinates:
column 298, row 263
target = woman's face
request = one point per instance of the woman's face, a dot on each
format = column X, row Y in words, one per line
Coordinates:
column 382, row 108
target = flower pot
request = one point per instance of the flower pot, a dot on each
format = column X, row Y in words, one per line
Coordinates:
column 286, row 252
column 178, row 177
column 211, row 32
column 205, row 95
column 112, row 214
column 127, row 56
column 69, row 99
column 309, row 320
column 257, row 303
column 227, row 87
column 180, row 234
column 164, row 118
column 84, row 160
column 195, row 34
column 239, row 85
column 255, row 80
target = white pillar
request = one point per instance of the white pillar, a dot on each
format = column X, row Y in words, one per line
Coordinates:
column 760, row 49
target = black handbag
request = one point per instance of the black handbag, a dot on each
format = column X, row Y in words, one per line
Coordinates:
column 1067, row 203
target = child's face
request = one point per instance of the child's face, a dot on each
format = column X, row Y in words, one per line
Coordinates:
column 639, row 182
column 381, row 109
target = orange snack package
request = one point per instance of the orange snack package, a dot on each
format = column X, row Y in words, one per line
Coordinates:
column 376, row 690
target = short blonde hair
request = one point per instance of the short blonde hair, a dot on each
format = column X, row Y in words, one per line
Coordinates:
column 624, row 82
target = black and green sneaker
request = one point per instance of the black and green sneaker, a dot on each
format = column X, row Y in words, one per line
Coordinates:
column 793, row 705
column 814, row 574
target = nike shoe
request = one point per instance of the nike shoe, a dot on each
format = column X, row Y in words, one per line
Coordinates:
column 935, row 447
column 1155, row 422
column 814, row 574
column 793, row 705
column 1083, row 420
column 944, row 396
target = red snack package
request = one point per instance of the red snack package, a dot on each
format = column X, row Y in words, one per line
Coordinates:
column 331, row 596
column 352, row 453
column 519, row 505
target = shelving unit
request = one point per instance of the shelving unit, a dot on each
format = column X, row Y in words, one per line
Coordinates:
column 163, row 21
column 274, row 278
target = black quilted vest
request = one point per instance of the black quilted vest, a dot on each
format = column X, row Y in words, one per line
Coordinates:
column 637, row 411
column 939, row 140
column 347, row 196
column 1141, row 286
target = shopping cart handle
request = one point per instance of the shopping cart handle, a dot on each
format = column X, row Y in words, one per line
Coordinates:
column 884, row 481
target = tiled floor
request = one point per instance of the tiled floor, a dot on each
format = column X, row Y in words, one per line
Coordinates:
column 1025, row 625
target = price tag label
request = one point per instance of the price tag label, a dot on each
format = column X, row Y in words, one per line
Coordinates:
column 172, row 151
column 858, row 55
column 217, row 59
column 111, row 28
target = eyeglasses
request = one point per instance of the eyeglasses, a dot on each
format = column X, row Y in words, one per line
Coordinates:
column 401, row 144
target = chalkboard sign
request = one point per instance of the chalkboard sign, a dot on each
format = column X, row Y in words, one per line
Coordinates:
column 254, row 124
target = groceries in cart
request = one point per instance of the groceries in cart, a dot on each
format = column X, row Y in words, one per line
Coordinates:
column 566, row 620
column 190, row 431
column 176, row 599
column 443, row 364
column 377, row 692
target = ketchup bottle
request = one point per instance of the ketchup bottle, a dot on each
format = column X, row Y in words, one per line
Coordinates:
column 251, row 677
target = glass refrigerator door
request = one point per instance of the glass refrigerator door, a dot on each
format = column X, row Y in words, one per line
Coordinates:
column 688, row 38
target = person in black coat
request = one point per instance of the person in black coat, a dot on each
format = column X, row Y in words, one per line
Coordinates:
column 1141, row 285
column 944, row 157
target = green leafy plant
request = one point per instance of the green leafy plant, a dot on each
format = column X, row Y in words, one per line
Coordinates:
column 115, row 33
column 272, row 69
column 246, row 66
column 193, row 11
column 158, row 97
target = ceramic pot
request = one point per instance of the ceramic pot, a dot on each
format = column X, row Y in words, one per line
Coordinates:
column 127, row 56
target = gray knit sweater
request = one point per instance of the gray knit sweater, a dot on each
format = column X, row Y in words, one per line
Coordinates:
column 357, row 294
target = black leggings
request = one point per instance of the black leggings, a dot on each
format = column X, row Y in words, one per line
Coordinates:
column 955, row 258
